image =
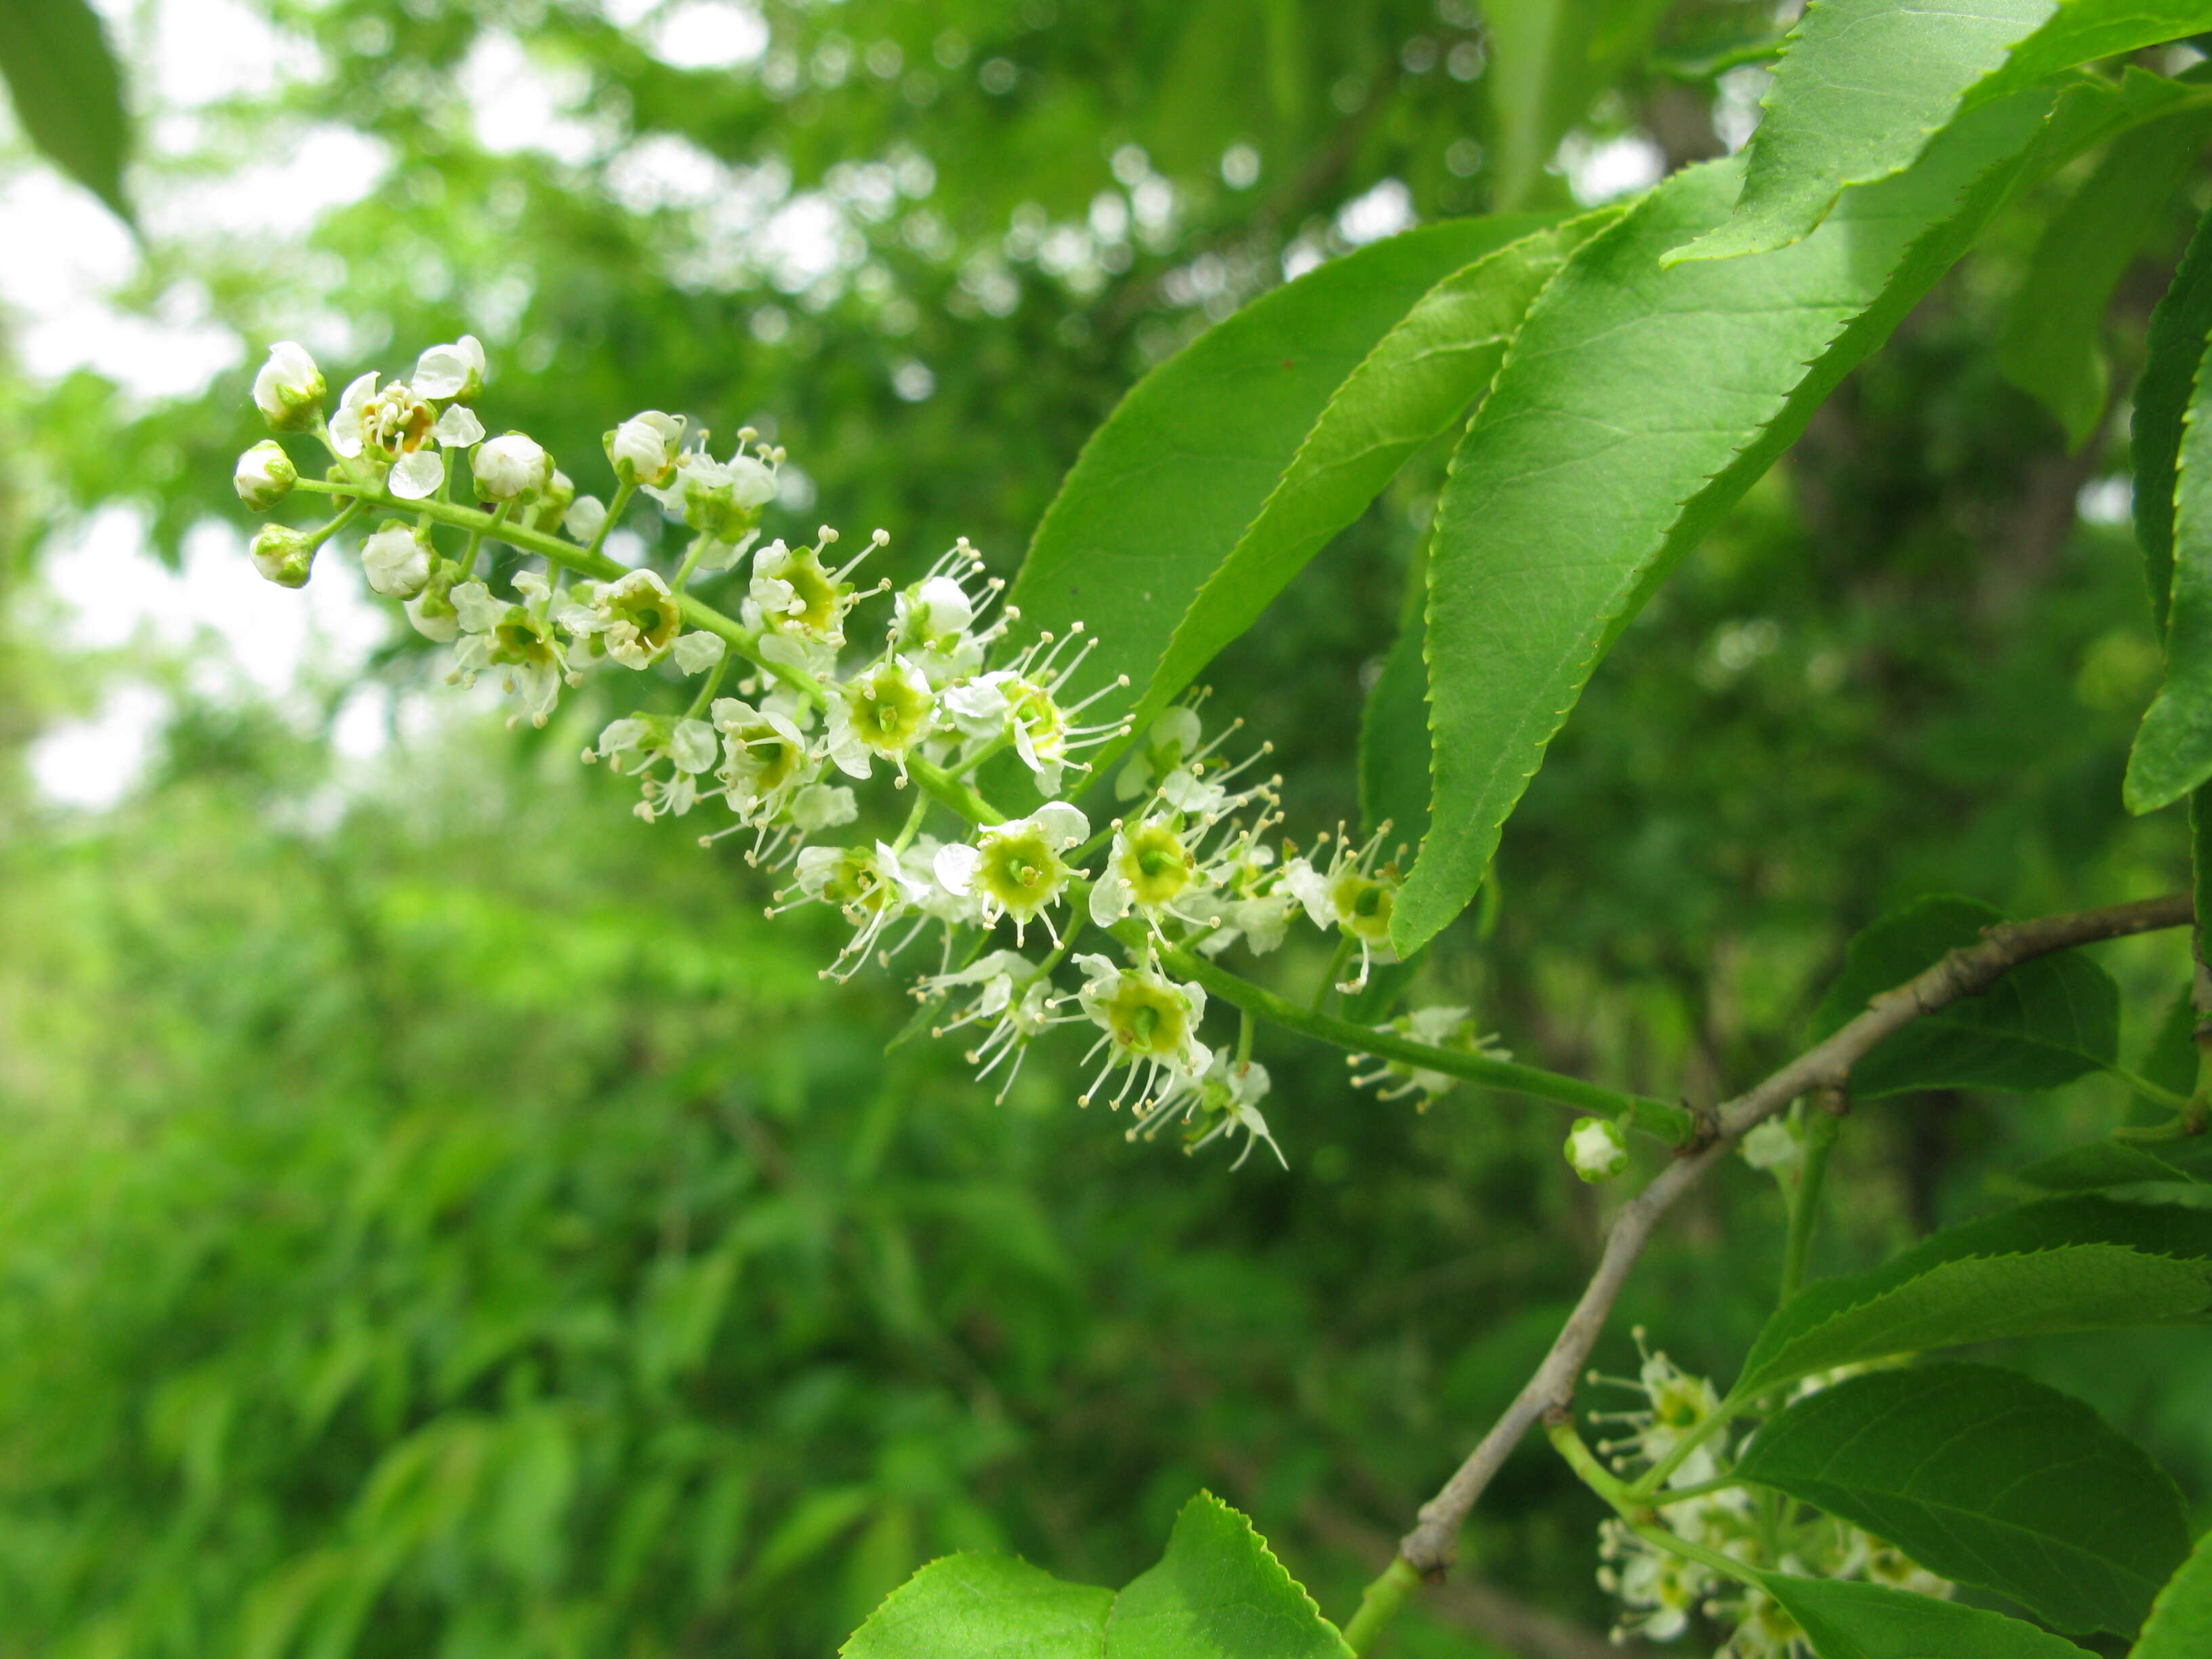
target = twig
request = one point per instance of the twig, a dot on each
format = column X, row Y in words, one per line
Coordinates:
column 1966, row 972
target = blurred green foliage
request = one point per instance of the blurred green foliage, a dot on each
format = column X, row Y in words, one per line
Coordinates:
column 438, row 1215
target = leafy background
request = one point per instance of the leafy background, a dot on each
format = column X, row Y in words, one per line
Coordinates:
column 439, row 1215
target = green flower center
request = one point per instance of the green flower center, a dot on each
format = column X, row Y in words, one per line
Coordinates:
column 1021, row 872
column 518, row 638
column 1364, row 905
column 654, row 618
column 818, row 594
column 855, row 885
column 1156, row 865
column 890, row 713
column 1147, row 1018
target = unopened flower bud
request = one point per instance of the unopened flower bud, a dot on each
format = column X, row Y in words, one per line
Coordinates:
column 1772, row 1145
column 283, row 555
column 264, row 475
column 396, row 560
column 289, row 390
column 432, row 612
column 513, row 468
column 584, row 518
column 1596, row 1148
column 642, row 450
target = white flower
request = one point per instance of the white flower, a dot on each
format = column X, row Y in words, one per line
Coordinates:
column 884, row 711
column 1225, row 1099
column 869, row 884
column 698, row 651
column 264, row 475
column 288, row 389
column 517, row 637
column 634, row 617
column 1016, row 869
column 721, row 498
column 451, row 371
column 587, row 516
column 643, row 448
column 1353, row 894
column 1013, row 998
column 768, row 766
column 395, row 561
column 1171, row 739
column 1151, row 864
column 1149, row 1025
column 513, row 468
column 1450, row 1028
column 1596, row 1148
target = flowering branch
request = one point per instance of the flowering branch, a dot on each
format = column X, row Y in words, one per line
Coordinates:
column 1430, row 1547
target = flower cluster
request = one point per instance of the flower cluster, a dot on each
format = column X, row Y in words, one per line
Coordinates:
column 1659, row 1590
column 849, row 755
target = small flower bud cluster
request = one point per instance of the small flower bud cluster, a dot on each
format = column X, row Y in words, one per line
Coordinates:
column 800, row 711
column 1660, row 1592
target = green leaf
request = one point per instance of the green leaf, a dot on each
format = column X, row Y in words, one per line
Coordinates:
column 1218, row 1593
column 1989, row 1479
column 1394, row 741
column 2046, row 1022
column 1846, row 1620
column 982, row 1606
column 2179, row 327
column 68, row 92
column 2180, row 1625
column 2052, row 347
column 2068, row 1264
column 1613, row 440
column 1864, row 86
column 2172, row 751
column 1163, row 491
column 1420, row 379
column 2101, row 1164
column 1548, row 59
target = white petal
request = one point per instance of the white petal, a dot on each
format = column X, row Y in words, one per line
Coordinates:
column 1109, row 900
column 1063, row 822
column 692, row 746
column 956, row 867
column 415, row 475
column 458, row 428
column 698, row 651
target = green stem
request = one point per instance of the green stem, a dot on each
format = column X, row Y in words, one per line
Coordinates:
column 1820, row 1130
column 996, row 746
column 353, row 509
column 1675, row 1125
column 476, row 540
column 1653, row 1480
column 1595, row 1475
column 710, row 685
column 1335, row 967
column 623, row 493
column 1379, row 1603
column 907, row 831
column 956, row 792
column 2149, row 1090
column 691, row 555
column 1703, row 1489
column 1243, row 1037
column 1675, row 1544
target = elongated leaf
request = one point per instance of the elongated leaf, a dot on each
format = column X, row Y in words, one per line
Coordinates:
column 1846, row 1620
column 2046, row 1022
column 1218, row 1593
column 68, row 92
column 1163, row 491
column 982, row 1606
column 1420, row 379
column 2102, row 1164
column 1393, row 742
column 2070, row 1264
column 1989, row 1479
column 2180, row 1625
column 2052, row 347
column 1635, row 406
column 2172, row 751
column 1864, row 86
column 2178, row 326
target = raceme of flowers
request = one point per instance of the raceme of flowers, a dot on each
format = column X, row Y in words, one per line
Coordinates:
column 1659, row 1591
column 796, row 705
